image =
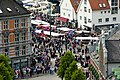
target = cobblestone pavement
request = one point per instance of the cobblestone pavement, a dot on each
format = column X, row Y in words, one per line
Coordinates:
column 45, row 77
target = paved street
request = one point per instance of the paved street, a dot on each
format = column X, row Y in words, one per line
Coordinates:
column 45, row 77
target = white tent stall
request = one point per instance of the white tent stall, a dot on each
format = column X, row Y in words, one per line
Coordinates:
column 39, row 22
column 82, row 31
column 87, row 38
column 48, row 33
column 64, row 29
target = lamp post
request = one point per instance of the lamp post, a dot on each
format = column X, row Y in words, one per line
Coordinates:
column 50, row 19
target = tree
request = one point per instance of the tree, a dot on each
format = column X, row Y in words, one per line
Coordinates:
column 1, row 77
column 65, row 61
column 6, row 72
column 78, row 75
column 73, row 67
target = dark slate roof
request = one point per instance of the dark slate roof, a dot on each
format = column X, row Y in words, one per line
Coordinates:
column 16, row 8
column 115, row 36
column 113, row 48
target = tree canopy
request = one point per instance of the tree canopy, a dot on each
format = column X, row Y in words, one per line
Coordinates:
column 65, row 61
column 68, row 73
column 6, row 72
column 78, row 75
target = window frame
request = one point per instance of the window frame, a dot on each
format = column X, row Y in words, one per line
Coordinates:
column 6, row 37
column 85, row 20
column 23, row 49
column 17, row 50
column 114, row 18
column 16, row 23
column 23, row 22
column 5, row 25
column 23, row 37
column 16, row 37
column 85, row 1
column 85, row 9
column 100, row 20
column 107, row 19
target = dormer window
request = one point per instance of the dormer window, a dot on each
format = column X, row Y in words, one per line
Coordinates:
column 100, row 5
column 9, row 10
column 1, row 11
column 104, row 5
column 17, row 9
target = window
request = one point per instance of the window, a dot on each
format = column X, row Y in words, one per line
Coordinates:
column 104, row 11
column 6, row 39
column 89, row 20
column 17, row 51
column 85, row 20
column 114, row 2
column 104, row 5
column 101, row 12
column 108, row 11
column 5, row 24
column 85, row 1
column 114, row 10
column 23, row 22
column 23, row 36
column 16, row 23
column 6, row 51
column 17, row 37
column 1, row 11
column 107, row 19
column 114, row 18
column 100, row 5
column 80, row 17
column 68, row 15
column 89, row 10
column 64, row 14
column 85, row 9
column 99, row 20
column 23, row 50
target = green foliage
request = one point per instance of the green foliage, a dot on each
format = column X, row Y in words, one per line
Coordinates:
column 68, row 73
column 1, row 77
column 6, row 71
column 65, row 61
column 78, row 75
column 94, row 71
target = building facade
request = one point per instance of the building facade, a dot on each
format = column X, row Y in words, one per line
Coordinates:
column 91, row 13
column 68, row 9
column 98, row 13
column 15, row 34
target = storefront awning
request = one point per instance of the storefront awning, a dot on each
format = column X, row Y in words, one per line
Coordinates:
column 62, row 19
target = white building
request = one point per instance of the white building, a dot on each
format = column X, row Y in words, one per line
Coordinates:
column 92, row 12
column 68, row 9
column 98, row 13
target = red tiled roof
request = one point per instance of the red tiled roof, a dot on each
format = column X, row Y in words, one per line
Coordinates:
column 95, row 4
column 75, row 6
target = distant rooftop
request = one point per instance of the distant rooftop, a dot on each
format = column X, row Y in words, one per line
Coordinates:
column 116, row 36
column 11, row 8
column 113, row 48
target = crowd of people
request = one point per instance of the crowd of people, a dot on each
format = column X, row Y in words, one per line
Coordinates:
column 44, row 49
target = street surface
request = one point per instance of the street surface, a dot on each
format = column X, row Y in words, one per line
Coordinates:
column 45, row 77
